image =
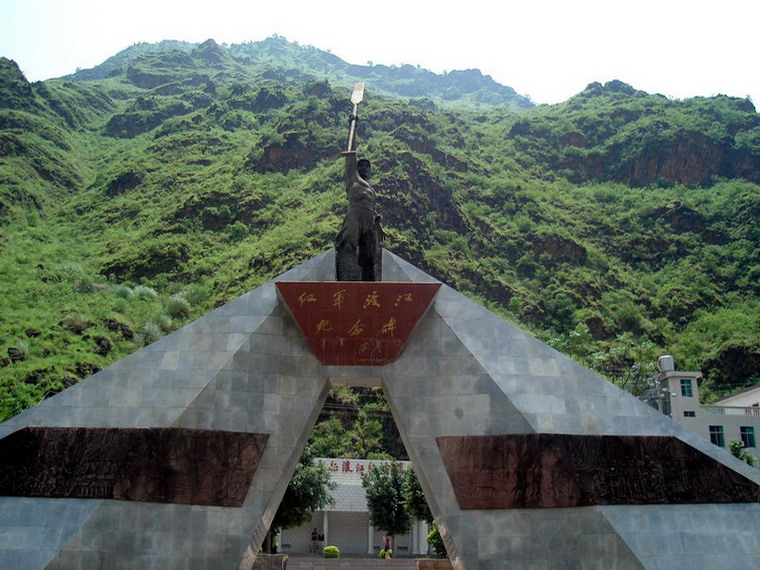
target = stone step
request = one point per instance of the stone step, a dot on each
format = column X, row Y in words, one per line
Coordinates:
column 313, row 563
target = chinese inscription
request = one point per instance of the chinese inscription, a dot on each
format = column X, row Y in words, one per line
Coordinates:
column 339, row 297
column 306, row 298
column 356, row 329
column 371, row 301
column 358, row 465
column 357, row 323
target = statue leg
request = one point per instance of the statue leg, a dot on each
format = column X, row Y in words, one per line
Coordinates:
column 367, row 247
column 346, row 268
column 346, row 255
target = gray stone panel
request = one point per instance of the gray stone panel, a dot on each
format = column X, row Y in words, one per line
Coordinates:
column 690, row 536
column 550, row 538
column 32, row 531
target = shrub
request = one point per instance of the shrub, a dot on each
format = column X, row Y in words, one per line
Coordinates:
column 84, row 285
column 122, row 291
column 165, row 323
column 120, row 305
column 435, row 540
column 196, row 294
column 738, row 451
column 386, row 553
column 150, row 258
column 237, row 231
column 20, row 351
column 24, row 347
column 71, row 271
column 331, row 552
column 149, row 332
column 144, row 293
column 177, row 307
column 76, row 323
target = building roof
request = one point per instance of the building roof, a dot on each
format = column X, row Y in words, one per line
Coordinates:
column 740, row 393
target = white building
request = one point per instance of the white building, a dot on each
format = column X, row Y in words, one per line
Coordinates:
column 346, row 524
column 734, row 418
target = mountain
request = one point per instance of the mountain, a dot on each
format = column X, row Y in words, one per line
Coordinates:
column 457, row 89
column 618, row 225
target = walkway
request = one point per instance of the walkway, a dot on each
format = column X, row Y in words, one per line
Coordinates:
column 317, row 563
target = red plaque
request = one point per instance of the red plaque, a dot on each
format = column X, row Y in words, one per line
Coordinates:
column 349, row 323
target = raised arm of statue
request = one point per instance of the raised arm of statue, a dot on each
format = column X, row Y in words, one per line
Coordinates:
column 352, row 120
column 350, row 174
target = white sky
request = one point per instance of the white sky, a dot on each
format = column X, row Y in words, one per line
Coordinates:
column 546, row 49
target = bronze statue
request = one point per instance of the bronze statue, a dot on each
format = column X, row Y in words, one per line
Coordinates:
column 357, row 245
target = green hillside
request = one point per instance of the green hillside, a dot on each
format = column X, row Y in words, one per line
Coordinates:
column 134, row 197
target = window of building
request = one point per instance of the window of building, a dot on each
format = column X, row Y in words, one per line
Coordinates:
column 747, row 434
column 686, row 388
column 716, row 436
column 689, row 414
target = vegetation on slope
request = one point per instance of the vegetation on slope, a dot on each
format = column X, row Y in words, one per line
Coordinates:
column 276, row 57
column 616, row 226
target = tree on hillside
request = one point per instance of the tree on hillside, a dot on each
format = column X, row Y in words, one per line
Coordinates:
column 628, row 362
column 385, row 486
column 308, row 491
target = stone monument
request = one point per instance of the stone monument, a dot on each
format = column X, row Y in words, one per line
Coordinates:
column 178, row 455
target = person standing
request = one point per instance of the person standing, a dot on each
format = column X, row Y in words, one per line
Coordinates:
column 314, row 538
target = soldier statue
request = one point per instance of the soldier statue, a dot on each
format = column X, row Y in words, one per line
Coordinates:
column 358, row 243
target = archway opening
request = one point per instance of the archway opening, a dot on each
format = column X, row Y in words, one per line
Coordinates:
column 354, row 432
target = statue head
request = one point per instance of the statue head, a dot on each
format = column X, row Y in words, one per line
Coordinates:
column 364, row 168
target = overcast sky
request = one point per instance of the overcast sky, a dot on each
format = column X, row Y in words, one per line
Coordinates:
column 546, row 49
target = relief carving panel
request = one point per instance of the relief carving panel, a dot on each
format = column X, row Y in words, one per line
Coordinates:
column 560, row 470
column 162, row 465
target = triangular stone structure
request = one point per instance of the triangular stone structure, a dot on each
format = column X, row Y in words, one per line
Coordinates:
column 518, row 448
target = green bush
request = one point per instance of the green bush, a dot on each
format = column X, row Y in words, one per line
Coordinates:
column 71, row 271
column 165, row 323
column 237, row 231
column 738, row 451
column 76, row 323
column 435, row 540
column 177, row 307
column 122, row 291
column 144, row 293
column 23, row 349
column 149, row 332
column 120, row 305
column 84, row 285
column 331, row 552
column 386, row 553
column 196, row 294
